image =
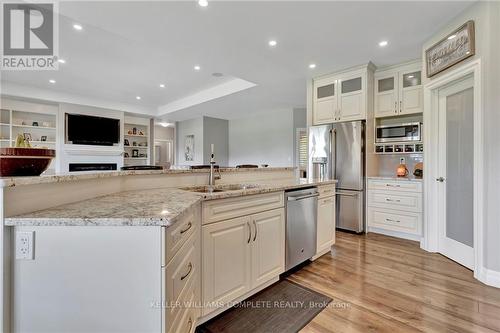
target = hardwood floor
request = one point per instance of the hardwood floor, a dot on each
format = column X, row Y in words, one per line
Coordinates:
column 385, row 284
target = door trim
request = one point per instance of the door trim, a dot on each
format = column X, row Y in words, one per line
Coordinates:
column 431, row 216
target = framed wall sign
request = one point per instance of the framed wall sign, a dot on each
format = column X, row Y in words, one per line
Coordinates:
column 452, row 49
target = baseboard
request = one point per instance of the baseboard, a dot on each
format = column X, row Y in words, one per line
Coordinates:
column 488, row 277
column 397, row 234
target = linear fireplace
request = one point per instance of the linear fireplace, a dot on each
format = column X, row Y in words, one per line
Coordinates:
column 73, row 167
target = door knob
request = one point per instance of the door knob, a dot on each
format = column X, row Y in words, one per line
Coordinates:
column 440, row 179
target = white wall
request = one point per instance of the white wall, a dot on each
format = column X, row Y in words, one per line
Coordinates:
column 190, row 127
column 264, row 138
column 486, row 16
column 215, row 131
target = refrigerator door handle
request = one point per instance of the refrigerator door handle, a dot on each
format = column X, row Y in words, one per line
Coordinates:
column 346, row 194
column 333, row 152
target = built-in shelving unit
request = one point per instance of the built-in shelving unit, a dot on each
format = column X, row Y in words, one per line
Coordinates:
column 399, row 148
column 136, row 143
column 33, row 120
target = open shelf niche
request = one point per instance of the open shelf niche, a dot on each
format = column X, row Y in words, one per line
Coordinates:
column 38, row 121
column 136, row 140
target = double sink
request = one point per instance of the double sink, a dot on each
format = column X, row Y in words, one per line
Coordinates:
column 219, row 188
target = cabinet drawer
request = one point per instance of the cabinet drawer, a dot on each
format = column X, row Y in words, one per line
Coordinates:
column 175, row 235
column 186, row 320
column 326, row 190
column 396, row 185
column 174, row 309
column 406, row 201
column 224, row 209
column 181, row 274
column 395, row 220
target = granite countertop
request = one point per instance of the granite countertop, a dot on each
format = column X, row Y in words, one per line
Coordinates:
column 412, row 179
column 47, row 179
column 156, row 207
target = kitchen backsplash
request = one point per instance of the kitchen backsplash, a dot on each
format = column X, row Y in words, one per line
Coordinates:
column 388, row 164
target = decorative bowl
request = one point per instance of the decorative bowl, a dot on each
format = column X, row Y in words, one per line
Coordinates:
column 16, row 162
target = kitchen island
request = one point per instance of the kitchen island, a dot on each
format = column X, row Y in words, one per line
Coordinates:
column 123, row 258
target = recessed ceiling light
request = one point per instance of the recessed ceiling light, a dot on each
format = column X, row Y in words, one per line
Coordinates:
column 52, row 81
column 137, row 97
column 162, row 85
column 62, row 61
column 410, row 76
column 452, row 36
column 312, row 66
column 197, row 68
column 77, row 27
column 273, row 42
column 383, row 43
column 203, row 3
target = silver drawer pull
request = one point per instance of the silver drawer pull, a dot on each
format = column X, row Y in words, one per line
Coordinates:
column 391, row 220
column 391, row 185
column 391, row 200
column 189, row 225
column 190, row 268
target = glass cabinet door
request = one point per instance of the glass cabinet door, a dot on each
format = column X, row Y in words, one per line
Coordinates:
column 411, row 95
column 386, row 96
column 325, row 91
column 351, row 105
column 351, row 85
column 325, row 103
column 412, row 79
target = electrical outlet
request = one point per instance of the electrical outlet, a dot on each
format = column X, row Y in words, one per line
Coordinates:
column 402, row 160
column 24, row 245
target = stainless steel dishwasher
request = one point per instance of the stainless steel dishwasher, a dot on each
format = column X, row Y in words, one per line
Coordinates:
column 301, row 214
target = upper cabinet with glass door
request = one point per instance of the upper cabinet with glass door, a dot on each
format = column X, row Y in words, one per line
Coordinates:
column 398, row 90
column 341, row 96
column 325, row 101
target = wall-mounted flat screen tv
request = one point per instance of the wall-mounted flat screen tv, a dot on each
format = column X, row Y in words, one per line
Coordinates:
column 90, row 130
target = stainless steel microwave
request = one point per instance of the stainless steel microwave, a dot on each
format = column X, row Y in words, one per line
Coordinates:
column 399, row 132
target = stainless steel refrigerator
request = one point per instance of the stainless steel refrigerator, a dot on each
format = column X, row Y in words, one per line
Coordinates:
column 337, row 151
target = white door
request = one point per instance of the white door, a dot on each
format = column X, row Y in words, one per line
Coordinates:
column 351, row 98
column 386, row 95
column 455, row 171
column 268, row 247
column 226, row 260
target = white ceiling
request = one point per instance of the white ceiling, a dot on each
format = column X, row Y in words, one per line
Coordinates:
column 127, row 49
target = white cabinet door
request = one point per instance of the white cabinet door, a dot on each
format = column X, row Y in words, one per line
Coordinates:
column 325, row 101
column 411, row 95
column 351, row 94
column 325, row 223
column 386, row 95
column 226, row 260
column 268, row 247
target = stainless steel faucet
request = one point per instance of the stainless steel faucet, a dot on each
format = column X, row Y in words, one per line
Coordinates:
column 212, row 178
